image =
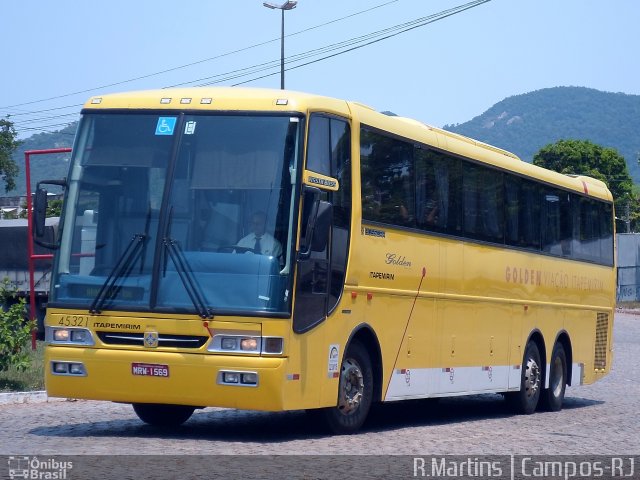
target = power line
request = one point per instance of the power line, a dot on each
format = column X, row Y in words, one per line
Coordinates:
column 340, row 48
column 198, row 61
column 36, row 120
column 441, row 16
column 369, row 39
column 46, row 127
column 43, row 110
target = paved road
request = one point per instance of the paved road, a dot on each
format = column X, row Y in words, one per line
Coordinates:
column 597, row 419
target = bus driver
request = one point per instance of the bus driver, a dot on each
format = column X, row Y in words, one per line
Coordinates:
column 260, row 241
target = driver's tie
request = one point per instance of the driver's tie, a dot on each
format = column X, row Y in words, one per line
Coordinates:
column 257, row 248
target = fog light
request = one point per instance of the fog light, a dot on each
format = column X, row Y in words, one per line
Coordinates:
column 250, row 344
column 61, row 335
column 249, row 378
column 228, row 343
column 60, row 368
column 231, row 377
column 76, row 369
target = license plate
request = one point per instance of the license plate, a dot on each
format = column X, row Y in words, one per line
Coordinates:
column 150, row 369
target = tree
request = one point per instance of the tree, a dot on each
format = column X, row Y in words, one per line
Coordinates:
column 54, row 209
column 14, row 331
column 8, row 144
column 582, row 157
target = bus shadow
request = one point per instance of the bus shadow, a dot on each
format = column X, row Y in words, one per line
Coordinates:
column 269, row 427
column 432, row 412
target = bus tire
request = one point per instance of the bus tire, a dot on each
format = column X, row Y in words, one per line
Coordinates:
column 355, row 392
column 160, row 415
column 525, row 401
column 552, row 397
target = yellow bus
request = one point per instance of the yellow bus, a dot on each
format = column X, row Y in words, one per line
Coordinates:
column 275, row 250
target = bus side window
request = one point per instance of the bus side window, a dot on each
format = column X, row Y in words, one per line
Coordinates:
column 388, row 179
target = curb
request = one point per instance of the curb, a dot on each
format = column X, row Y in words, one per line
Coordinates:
column 12, row 398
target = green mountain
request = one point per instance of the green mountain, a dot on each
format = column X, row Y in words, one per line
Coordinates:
column 525, row 123
column 43, row 167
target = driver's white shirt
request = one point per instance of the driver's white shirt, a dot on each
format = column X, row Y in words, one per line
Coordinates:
column 268, row 245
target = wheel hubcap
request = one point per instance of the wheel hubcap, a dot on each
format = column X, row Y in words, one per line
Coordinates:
column 352, row 387
column 532, row 378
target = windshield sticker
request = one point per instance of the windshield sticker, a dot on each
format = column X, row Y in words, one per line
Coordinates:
column 166, row 125
column 190, row 128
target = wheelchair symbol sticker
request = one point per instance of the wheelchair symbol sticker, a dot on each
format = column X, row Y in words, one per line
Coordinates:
column 166, row 125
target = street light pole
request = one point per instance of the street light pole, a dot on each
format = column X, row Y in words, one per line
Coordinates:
column 282, row 52
column 288, row 5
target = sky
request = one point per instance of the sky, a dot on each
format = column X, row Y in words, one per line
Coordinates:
column 58, row 54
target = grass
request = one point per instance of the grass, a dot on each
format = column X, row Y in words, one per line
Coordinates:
column 29, row 380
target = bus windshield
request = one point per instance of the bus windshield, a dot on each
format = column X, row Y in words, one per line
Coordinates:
column 180, row 213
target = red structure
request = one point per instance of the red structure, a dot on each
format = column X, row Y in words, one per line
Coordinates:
column 32, row 256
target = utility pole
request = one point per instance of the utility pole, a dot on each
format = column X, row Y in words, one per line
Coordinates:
column 288, row 5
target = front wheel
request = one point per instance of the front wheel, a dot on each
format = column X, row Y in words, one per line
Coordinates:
column 553, row 396
column 163, row 415
column 526, row 400
column 355, row 392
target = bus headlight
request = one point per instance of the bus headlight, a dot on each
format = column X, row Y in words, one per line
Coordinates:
column 68, row 336
column 229, row 343
column 61, row 335
column 236, row 343
column 250, row 343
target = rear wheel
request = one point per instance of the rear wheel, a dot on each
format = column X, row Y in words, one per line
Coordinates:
column 553, row 396
column 526, row 400
column 355, row 392
column 163, row 415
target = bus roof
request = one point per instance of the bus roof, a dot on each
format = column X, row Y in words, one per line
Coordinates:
column 270, row 100
column 219, row 98
column 473, row 149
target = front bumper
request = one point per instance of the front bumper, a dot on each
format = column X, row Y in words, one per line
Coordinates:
column 193, row 379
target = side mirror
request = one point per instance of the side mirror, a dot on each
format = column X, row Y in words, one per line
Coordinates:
column 40, row 205
column 39, row 213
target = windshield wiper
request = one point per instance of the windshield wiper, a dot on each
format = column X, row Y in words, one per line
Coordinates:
column 122, row 269
column 191, row 285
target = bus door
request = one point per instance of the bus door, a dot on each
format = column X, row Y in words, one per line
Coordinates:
column 321, row 274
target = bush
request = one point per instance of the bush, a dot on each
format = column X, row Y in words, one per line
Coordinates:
column 15, row 333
